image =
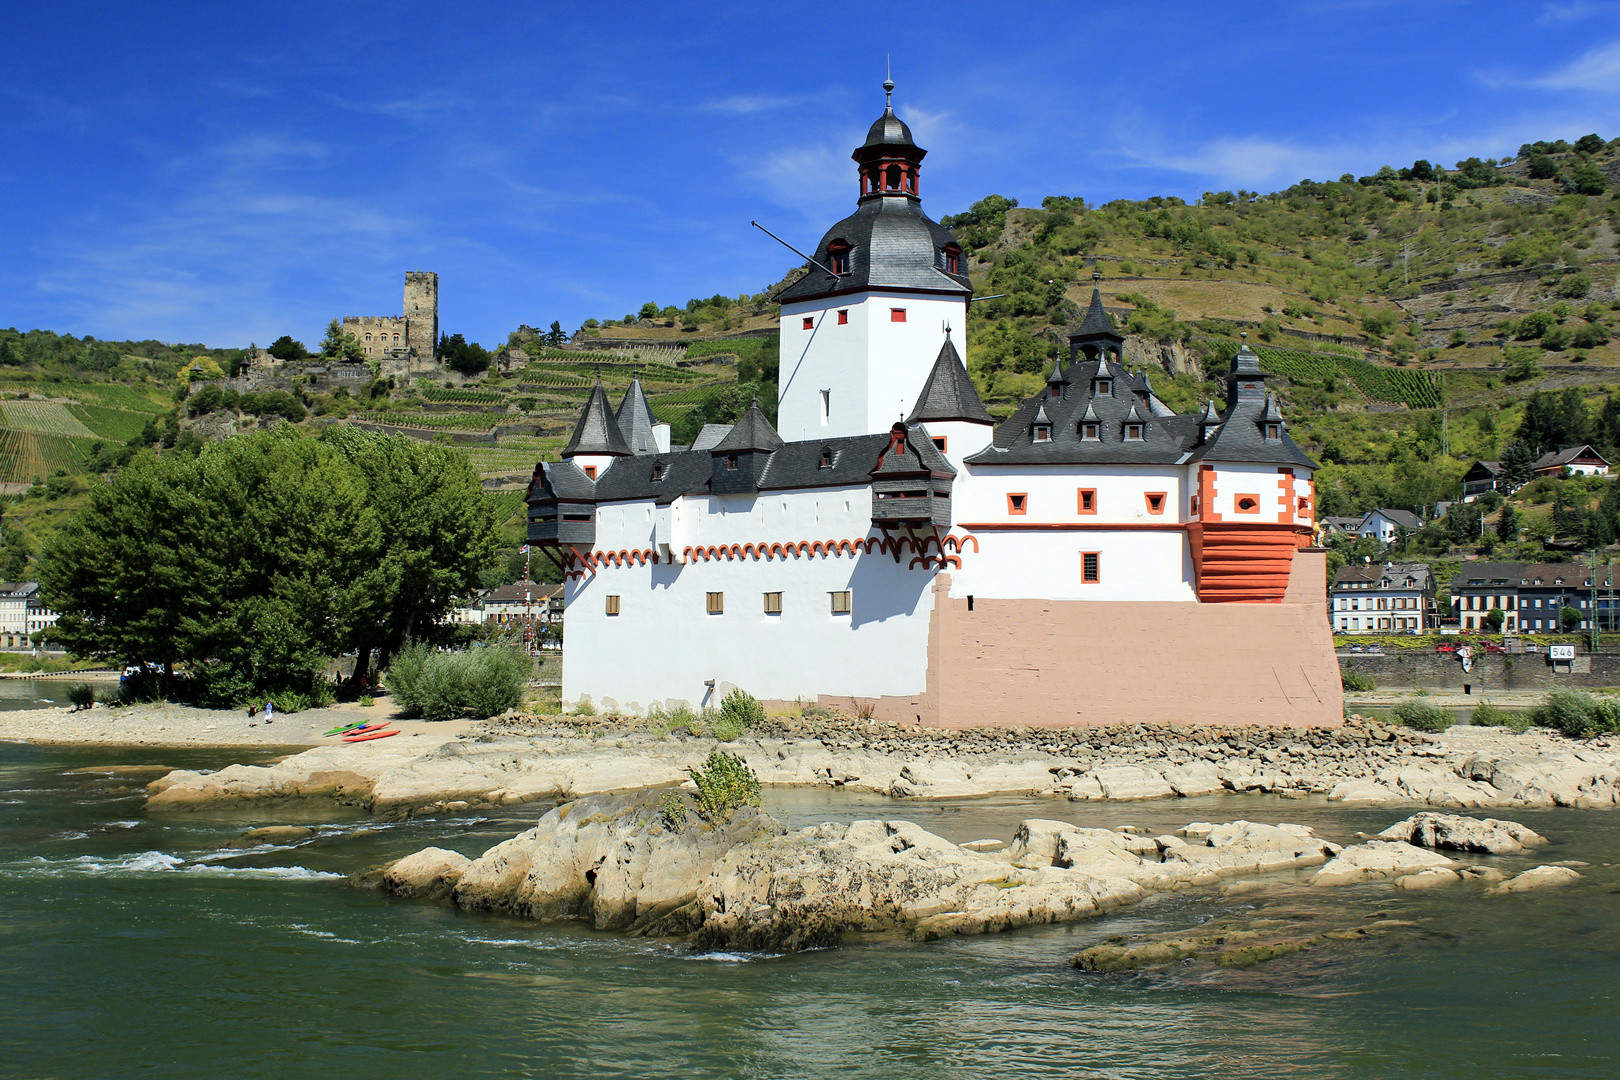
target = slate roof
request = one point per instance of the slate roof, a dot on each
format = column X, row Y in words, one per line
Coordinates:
column 752, row 432
column 1404, row 518
column 1564, row 457
column 893, row 245
column 1518, row 575
column 888, row 130
column 635, row 419
column 1096, row 324
column 1168, row 438
column 948, row 394
column 598, row 430
column 710, row 436
column 1399, row 576
column 1490, row 468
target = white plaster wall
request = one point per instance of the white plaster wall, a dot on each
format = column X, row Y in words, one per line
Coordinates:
column 1045, row 565
column 663, row 645
column 1235, row 479
column 962, row 440
column 874, row 367
column 980, row 494
column 830, row 513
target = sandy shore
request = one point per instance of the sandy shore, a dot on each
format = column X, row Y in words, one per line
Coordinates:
column 180, row 725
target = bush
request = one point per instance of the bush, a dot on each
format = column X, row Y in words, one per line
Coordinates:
column 1487, row 715
column 738, row 712
column 724, row 783
column 1421, row 715
column 1356, row 681
column 445, row 685
column 83, row 695
column 366, row 701
column 1578, row 715
column 286, row 701
column 673, row 806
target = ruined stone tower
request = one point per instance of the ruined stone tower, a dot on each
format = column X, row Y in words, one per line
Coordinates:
column 422, row 313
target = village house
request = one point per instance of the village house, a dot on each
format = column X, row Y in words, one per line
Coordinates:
column 1483, row 476
column 1386, row 525
column 1579, row 460
column 1533, row 596
column 1392, row 598
column 887, row 545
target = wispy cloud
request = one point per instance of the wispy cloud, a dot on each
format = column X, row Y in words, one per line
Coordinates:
column 1598, row 69
column 1567, row 11
column 746, row 104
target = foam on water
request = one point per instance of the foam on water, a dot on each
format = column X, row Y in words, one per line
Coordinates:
column 157, row 862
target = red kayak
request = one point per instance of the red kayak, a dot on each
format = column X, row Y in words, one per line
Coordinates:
column 368, row 736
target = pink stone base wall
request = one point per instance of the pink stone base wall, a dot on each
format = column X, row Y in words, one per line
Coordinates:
column 1064, row 663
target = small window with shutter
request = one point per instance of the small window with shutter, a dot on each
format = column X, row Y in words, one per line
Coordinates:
column 716, row 603
column 613, row 605
column 840, row 602
column 773, row 603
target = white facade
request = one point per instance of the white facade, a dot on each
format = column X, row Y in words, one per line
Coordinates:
column 861, row 375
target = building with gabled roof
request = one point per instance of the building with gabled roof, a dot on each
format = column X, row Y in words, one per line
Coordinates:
column 1579, row 460
column 886, row 542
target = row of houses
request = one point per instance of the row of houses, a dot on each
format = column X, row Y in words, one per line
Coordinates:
column 539, row 604
column 22, row 613
column 1483, row 476
column 1395, row 598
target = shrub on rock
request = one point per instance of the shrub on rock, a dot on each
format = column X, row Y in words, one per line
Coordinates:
column 739, row 711
column 724, row 783
column 445, row 685
column 1578, row 715
column 1421, row 715
column 83, row 695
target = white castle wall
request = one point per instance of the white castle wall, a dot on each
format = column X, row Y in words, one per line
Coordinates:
column 663, row 644
column 873, row 367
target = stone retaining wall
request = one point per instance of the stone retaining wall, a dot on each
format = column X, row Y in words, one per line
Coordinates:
column 1493, row 671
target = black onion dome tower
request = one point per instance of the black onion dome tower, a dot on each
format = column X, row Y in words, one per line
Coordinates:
column 888, row 244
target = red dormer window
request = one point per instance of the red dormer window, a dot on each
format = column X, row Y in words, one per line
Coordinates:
column 838, row 257
column 590, row 472
column 953, row 259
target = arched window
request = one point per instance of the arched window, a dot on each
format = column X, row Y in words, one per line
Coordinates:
column 838, row 256
column 368, row 335
column 892, row 178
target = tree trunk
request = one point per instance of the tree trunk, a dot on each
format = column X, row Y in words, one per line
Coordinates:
column 362, row 667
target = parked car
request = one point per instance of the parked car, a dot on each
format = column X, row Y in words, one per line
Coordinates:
column 1445, row 646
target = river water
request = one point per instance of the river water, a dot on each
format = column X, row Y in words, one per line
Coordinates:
column 131, row 946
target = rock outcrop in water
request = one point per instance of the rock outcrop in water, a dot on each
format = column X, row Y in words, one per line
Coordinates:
column 748, row 883
column 1455, row 833
column 1360, row 762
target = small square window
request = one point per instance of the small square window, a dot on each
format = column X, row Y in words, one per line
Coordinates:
column 897, row 314
column 716, row 603
column 1155, row 502
column 731, row 462
column 658, row 472
column 1248, row 504
column 826, row 458
column 1304, row 505
column 1087, row 500
column 809, row 323
column 773, row 603
column 590, row 472
column 1133, row 432
column 1017, row 504
column 1090, row 567
column 843, row 316
column 1091, row 432
column 612, row 605
column 939, row 443
column 1043, row 433
column 840, row 602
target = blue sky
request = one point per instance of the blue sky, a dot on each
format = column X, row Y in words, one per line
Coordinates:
column 222, row 173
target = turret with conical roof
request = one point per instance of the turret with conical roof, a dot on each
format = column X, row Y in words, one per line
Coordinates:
column 597, row 432
column 1096, row 335
column 636, row 421
column 739, row 459
column 949, row 393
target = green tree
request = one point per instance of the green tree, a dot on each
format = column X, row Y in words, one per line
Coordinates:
column 1571, row 618
column 1542, row 167
column 1588, row 180
column 1518, row 464
column 438, row 530
column 1521, row 363
column 556, row 337
column 1567, row 519
column 467, row 357
column 1507, row 524
column 285, row 348
column 15, row 554
column 1494, row 619
column 340, row 346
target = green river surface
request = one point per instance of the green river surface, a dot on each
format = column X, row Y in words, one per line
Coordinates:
column 132, row 946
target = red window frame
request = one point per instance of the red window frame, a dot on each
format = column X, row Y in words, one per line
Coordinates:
column 843, row 316
column 590, row 472
column 809, row 322
column 897, row 314
column 1252, row 499
column 1017, row 502
column 1085, row 501
column 1155, row 501
column 939, row 442
column 1091, row 568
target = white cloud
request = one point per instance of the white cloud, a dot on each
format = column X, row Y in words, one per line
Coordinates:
column 747, row 104
column 1564, row 11
column 1598, row 69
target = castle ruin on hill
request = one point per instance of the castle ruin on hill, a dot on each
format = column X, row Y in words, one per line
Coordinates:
column 398, row 340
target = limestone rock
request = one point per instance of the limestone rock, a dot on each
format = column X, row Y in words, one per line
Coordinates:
column 1542, row 877
column 1428, row 879
column 1193, row 779
column 1241, row 847
column 430, row 873
column 1453, row 833
column 1378, row 859
column 271, row 834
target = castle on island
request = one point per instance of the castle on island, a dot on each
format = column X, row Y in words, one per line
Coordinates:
column 1095, row 558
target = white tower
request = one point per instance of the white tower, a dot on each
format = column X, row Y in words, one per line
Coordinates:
column 859, row 343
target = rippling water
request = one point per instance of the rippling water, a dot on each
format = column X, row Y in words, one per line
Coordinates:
column 130, row 945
